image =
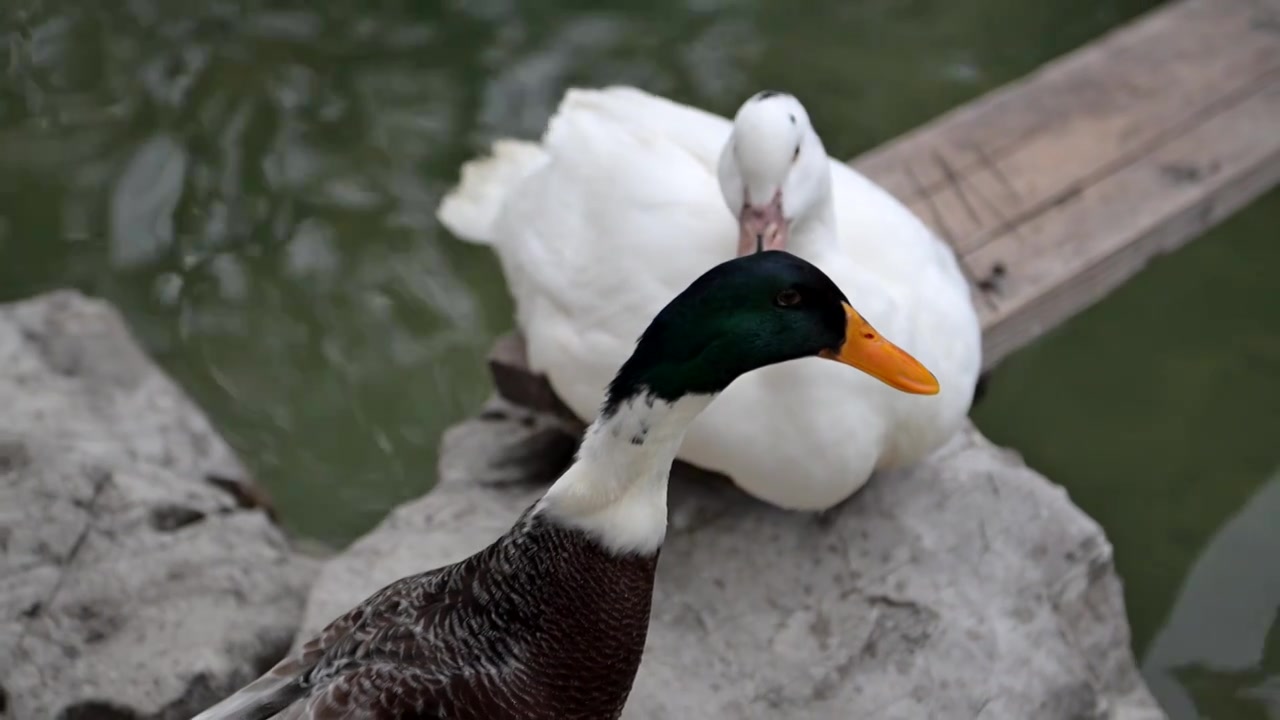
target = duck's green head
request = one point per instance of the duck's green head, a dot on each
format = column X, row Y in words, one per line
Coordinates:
column 750, row 312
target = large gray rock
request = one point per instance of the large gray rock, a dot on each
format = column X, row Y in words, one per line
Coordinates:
column 137, row 577
column 967, row 587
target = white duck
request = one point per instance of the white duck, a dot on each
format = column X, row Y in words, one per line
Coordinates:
column 622, row 205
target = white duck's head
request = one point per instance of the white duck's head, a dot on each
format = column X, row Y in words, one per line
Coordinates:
column 773, row 171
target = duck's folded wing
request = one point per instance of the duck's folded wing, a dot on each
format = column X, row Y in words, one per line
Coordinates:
column 402, row 602
column 700, row 133
column 473, row 208
column 392, row 664
column 377, row 692
column 281, row 686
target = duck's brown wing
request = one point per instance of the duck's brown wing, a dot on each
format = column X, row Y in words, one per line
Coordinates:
column 376, row 691
column 399, row 660
column 388, row 619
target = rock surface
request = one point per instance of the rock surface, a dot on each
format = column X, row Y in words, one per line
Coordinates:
column 137, row 579
column 967, row 587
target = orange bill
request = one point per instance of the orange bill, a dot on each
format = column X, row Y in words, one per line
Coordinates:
column 867, row 351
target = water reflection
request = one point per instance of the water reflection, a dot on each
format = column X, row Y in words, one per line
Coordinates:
column 253, row 183
column 143, row 202
column 1231, row 669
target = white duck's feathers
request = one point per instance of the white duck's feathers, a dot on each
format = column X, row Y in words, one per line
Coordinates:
column 624, row 209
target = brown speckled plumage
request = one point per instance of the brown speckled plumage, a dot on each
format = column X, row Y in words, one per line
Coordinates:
column 544, row 623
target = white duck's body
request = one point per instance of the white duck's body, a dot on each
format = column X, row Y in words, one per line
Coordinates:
column 623, row 204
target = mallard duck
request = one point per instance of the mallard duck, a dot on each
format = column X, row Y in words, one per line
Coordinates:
column 624, row 199
column 550, row 620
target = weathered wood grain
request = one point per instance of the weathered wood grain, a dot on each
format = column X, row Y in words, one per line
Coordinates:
column 1072, row 254
column 1093, row 109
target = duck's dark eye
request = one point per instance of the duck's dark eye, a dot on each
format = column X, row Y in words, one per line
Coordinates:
column 788, row 298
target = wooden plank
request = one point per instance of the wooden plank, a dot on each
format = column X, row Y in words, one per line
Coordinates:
column 1069, row 256
column 1060, row 186
column 979, row 169
column 1134, row 137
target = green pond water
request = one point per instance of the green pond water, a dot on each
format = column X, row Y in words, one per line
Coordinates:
column 253, row 183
